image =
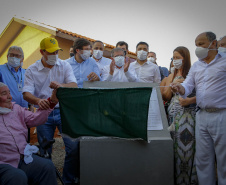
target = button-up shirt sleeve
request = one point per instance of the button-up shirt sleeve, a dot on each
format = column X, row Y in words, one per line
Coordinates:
column 131, row 77
column 105, row 74
column 37, row 118
column 69, row 75
column 189, row 83
column 29, row 85
column 157, row 77
column 131, row 73
column 96, row 68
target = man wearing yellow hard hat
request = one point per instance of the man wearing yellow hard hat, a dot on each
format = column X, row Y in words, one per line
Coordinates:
column 46, row 73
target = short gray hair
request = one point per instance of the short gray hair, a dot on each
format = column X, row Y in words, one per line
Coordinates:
column 211, row 36
column 17, row 48
column 116, row 50
column 221, row 38
column 2, row 85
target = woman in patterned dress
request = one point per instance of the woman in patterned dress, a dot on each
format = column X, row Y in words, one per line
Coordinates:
column 181, row 117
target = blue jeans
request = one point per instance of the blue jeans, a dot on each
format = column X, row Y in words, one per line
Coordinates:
column 48, row 129
column 71, row 162
column 40, row 171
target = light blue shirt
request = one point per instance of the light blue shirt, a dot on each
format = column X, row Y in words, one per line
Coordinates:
column 7, row 78
column 209, row 80
column 165, row 71
column 82, row 70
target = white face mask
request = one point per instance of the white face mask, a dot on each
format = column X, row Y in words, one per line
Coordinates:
column 119, row 61
column 13, row 61
column 172, row 69
column 142, row 55
column 52, row 59
column 98, row 54
column 86, row 54
column 151, row 59
column 177, row 63
column 4, row 110
column 202, row 53
column 222, row 50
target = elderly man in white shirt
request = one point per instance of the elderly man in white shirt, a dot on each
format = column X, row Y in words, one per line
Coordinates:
column 144, row 70
column 48, row 72
column 207, row 76
column 118, row 71
column 97, row 55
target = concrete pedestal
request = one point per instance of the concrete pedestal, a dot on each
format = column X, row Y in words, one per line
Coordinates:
column 115, row 161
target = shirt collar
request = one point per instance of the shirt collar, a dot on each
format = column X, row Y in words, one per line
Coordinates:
column 98, row 60
column 12, row 68
column 218, row 55
column 41, row 67
column 146, row 63
column 82, row 62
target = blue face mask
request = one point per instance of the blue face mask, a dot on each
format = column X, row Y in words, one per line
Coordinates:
column 13, row 61
column 221, row 49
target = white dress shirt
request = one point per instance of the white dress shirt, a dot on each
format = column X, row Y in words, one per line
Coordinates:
column 148, row 72
column 118, row 76
column 209, row 80
column 102, row 62
column 38, row 78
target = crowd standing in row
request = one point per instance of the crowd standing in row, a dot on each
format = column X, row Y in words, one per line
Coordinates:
column 203, row 132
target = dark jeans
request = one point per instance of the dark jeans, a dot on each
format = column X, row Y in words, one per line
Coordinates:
column 47, row 130
column 40, row 171
column 71, row 162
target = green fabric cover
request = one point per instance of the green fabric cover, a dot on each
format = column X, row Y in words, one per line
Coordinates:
column 104, row 112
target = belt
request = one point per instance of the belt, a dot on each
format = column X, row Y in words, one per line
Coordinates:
column 208, row 109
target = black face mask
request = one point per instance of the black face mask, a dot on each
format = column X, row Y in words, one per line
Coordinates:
column 72, row 54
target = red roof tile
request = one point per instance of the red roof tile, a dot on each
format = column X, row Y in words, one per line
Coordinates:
column 87, row 38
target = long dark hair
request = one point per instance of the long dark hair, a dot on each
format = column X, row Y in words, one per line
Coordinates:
column 184, row 52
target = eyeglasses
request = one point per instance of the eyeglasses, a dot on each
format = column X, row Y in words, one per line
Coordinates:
column 15, row 55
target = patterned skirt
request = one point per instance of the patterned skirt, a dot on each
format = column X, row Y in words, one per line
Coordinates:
column 184, row 142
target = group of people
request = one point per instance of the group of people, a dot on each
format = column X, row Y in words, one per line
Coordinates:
column 197, row 134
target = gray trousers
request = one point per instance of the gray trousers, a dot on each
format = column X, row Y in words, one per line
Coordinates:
column 41, row 171
column 210, row 140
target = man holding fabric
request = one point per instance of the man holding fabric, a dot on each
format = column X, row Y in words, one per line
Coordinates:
column 18, row 165
column 84, row 67
column 12, row 74
column 207, row 76
column 118, row 71
column 48, row 72
column 144, row 70
column 98, row 51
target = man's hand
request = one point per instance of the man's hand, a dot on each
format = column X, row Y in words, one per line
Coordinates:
column 112, row 66
column 93, row 77
column 177, row 87
column 43, row 104
column 183, row 102
column 126, row 65
column 55, row 85
column 53, row 97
